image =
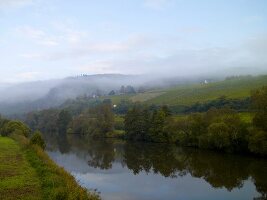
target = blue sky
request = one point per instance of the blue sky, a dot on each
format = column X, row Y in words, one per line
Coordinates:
column 44, row 39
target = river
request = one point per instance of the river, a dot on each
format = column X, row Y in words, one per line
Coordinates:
column 129, row 171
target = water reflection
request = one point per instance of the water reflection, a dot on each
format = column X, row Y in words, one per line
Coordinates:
column 239, row 176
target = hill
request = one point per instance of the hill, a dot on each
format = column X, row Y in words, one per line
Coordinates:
column 25, row 97
column 235, row 88
column 185, row 95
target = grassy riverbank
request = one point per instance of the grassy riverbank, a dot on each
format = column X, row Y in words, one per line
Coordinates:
column 26, row 172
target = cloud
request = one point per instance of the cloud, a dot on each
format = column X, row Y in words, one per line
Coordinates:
column 253, row 19
column 250, row 56
column 156, row 4
column 132, row 44
column 31, row 55
column 68, row 34
column 22, row 77
column 37, row 35
column 14, row 3
column 58, row 35
column 192, row 29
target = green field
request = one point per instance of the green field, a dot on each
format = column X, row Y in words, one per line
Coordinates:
column 188, row 95
column 142, row 97
column 237, row 88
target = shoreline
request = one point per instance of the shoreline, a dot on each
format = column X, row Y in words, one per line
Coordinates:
column 51, row 180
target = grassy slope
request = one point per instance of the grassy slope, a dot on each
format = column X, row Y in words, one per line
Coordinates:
column 26, row 172
column 18, row 178
column 117, row 98
column 190, row 94
column 187, row 95
column 146, row 96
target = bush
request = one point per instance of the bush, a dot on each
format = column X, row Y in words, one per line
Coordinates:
column 16, row 127
column 37, row 139
column 219, row 136
column 258, row 142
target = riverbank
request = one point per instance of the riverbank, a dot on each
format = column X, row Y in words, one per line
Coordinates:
column 26, row 172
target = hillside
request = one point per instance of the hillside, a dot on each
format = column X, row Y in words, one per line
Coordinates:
column 236, row 88
column 39, row 95
column 26, row 97
column 187, row 95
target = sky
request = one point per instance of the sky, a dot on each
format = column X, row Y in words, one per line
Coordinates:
column 48, row 39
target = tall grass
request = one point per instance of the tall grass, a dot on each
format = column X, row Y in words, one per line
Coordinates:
column 56, row 183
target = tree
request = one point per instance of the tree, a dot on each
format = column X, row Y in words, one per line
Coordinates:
column 122, row 89
column 258, row 133
column 218, row 135
column 258, row 142
column 129, row 90
column 111, row 93
column 259, row 103
column 37, row 139
column 136, row 123
column 157, row 124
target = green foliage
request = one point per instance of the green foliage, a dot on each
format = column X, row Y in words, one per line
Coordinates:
column 242, row 104
column 142, row 123
column 45, row 120
column 258, row 134
column 258, row 142
column 9, row 127
column 259, row 102
column 123, row 106
column 37, row 139
column 95, row 122
column 119, row 123
column 136, row 123
column 219, row 136
column 220, row 129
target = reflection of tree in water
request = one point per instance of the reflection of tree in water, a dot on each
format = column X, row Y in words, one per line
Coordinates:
column 259, row 175
column 55, row 141
column 219, row 170
column 63, row 144
column 102, row 154
column 152, row 157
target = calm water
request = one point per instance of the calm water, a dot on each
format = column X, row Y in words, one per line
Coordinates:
column 129, row 171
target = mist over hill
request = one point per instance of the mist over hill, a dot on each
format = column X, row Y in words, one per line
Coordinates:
column 38, row 95
column 25, row 97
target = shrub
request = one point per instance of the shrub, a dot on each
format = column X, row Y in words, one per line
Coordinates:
column 16, row 127
column 37, row 139
column 258, row 142
column 219, row 135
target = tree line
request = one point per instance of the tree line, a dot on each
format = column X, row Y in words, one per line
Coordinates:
column 220, row 129
column 95, row 121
